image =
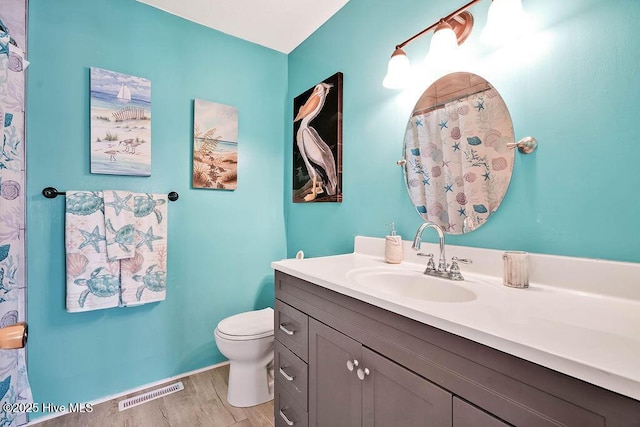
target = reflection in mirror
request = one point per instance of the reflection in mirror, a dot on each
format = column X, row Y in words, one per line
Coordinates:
column 458, row 165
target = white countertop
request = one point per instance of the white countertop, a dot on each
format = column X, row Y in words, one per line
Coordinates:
column 587, row 328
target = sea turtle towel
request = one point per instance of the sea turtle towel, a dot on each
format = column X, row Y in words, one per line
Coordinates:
column 144, row 275
column 116, row 249
column 92, row 282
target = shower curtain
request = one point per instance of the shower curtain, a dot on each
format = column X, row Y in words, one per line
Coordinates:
column 15, row 393
column 458, row 163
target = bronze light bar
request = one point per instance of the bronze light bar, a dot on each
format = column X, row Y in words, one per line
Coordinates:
column 460, row 21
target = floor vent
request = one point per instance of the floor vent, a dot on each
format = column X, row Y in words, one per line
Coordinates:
column 150, row 395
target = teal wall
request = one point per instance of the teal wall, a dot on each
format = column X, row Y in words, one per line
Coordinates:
column 573, row 85
column 220, row 243
column 575, row 89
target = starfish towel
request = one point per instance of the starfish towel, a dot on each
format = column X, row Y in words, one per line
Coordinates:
column 92, row 282
column 119, row 224
column 144, row 276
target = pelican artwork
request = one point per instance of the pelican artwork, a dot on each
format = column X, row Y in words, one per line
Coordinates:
column 315, row 153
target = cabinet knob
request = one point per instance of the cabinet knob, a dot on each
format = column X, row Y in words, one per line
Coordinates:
column 351, row 364
column 362, row 373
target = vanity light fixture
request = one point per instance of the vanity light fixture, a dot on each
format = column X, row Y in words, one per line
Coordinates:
column 505, row 19
column 444, row 42
column 505, row 16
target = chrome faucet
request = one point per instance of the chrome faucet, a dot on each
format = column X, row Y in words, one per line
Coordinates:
column 441, row 271
column 442, row 264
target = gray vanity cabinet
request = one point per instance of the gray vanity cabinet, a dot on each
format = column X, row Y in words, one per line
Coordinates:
column 290, row 366
column 408, row 373
column 335, row 393
column 350, row 385
column 465, row 415
column 395, row 396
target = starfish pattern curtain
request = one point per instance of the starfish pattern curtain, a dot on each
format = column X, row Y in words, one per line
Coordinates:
column 458, row 163
column 14, row 385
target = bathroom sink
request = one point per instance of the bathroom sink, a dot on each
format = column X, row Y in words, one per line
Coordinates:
column 411, row 284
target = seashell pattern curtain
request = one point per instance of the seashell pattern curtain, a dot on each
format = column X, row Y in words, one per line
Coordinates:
column 14, row 386
column 458, row 164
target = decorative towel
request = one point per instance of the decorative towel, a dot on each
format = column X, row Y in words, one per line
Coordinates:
column 92, row 282
column 119, row 224
column 144, row 277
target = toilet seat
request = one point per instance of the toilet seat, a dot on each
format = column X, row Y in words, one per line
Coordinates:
column 247, row 326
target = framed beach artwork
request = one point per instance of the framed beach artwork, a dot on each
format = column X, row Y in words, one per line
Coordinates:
column 120, row 123
column 317, row 146
column 215, row 146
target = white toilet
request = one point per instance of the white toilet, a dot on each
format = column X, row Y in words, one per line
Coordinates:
column 246, row 339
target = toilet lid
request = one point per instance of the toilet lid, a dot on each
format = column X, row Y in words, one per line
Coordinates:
column 258, row 323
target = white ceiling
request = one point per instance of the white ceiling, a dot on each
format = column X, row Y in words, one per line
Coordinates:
column 277, row 24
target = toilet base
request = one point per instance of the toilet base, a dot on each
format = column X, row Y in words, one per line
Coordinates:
column 249, row 385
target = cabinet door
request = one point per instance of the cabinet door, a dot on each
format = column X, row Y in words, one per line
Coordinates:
column 335, row 394
column 395, row 396
column 465, row 414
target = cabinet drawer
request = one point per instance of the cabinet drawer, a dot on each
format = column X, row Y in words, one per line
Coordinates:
column 292, row 329
column 287, row 411
column 291, row 373
column 465, row 414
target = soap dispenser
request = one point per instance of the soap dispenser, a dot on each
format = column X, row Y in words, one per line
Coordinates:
column 393, row 247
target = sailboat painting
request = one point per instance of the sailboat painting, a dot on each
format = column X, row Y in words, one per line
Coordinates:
column 124, row 94
column 120, row 123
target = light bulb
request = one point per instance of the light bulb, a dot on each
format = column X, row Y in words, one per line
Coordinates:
column 506, row 20
column 444, row 44
column 398, row 70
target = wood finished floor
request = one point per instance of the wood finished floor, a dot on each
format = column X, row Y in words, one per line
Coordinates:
column 203, row 402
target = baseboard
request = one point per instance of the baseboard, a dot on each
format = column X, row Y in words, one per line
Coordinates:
column 130, row 391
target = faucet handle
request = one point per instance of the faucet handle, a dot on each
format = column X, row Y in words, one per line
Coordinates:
column 454, row 271
column 431, row 266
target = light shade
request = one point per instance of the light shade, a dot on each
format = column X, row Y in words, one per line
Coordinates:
column 444, row 44
column 398, row 70
column 506, row 20
column 450, row 31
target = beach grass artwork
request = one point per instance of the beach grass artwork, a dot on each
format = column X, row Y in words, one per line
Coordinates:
column 120, row 123
column 215, row 146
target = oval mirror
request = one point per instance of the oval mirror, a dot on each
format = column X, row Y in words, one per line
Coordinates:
column 457, row 163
